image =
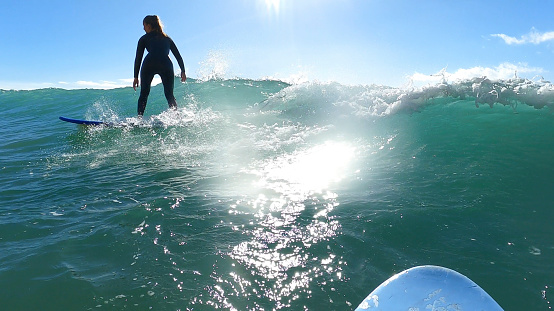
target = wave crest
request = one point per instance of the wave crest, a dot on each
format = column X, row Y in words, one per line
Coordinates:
column 379, row 101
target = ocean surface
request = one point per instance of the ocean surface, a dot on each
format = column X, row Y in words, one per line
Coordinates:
column 264, row 195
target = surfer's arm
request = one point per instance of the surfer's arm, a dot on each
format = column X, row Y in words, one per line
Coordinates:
column 138, row 59
column 179, row 59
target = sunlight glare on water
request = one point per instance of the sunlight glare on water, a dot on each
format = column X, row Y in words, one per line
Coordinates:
column 290, row 220
column 308, row 171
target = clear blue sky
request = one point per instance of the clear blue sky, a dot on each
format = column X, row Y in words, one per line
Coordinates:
column 78, row 43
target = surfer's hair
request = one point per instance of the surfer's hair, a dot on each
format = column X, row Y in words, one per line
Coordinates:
column 155, row 22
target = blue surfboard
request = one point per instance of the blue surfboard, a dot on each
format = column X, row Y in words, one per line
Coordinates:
column 82, row 122
column 429, row 288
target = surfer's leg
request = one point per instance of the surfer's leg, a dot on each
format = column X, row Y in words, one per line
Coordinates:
column 168, row 80
column 146, row 80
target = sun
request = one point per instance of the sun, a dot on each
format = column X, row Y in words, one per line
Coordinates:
column 273, row 6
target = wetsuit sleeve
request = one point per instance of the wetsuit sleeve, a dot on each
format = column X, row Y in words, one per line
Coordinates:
column 177, row 55
column 138, row 58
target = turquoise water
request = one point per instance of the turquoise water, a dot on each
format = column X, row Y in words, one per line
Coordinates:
column 260, row 195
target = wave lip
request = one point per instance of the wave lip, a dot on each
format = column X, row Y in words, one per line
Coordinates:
column 378, row 101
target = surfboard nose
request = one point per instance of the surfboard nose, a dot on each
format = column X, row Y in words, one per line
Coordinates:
column 429, row 288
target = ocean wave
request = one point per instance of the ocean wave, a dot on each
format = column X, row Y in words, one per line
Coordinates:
column 301, row 100
column 376, row 100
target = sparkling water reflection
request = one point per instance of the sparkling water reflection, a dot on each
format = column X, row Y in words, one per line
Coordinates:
column 282, row 258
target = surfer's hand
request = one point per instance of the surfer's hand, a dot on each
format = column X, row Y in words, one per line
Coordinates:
column 183, row 76
column 135, row 83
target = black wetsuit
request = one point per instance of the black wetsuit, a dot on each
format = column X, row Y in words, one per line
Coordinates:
column 157, row 61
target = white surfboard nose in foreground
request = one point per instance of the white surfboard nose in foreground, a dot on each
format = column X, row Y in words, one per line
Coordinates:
column 429, row 288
